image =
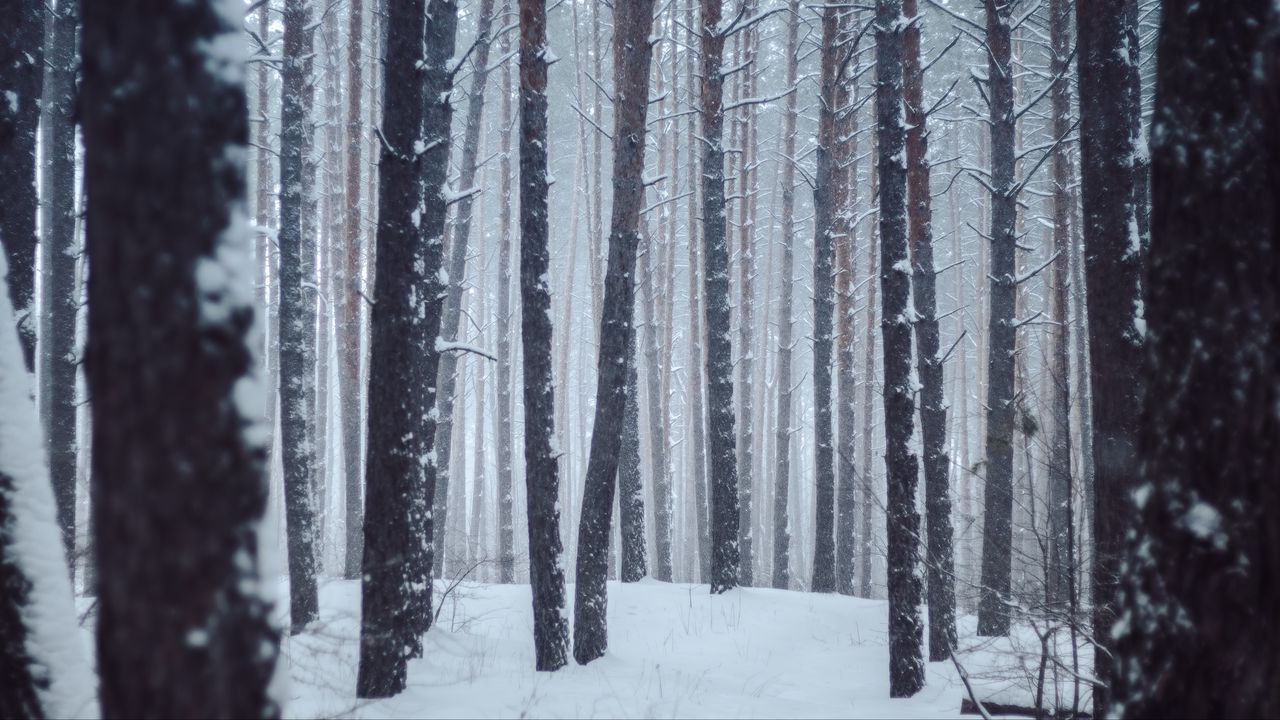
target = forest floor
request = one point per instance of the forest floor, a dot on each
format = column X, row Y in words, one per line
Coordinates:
column 674, row 651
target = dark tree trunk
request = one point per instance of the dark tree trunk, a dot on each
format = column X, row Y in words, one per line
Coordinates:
column 457, row 269
column 1196, row 634
column 824, row 226
column 940, row 561
column 632, row 57
column 63, row 288
column 1061, row 570
column 506, row 502
column 546, row 571
column 782, row 462
column 997, row 529
column 868, row 396
column 296, row 367
column 635, row 563
column 21, row 78
column 1112, row 266
column 715, row 291
column 396, row 496
column 179, row 462
column 347, row 279
column 906, row 665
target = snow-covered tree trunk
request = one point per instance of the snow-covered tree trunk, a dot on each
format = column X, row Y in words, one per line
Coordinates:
column 61, row 289
column 546, row 568
column 458, row 264
column 746, row 141
column 632, row 56
column 179, row 449
column 396, row 495
column 296, row 364
column 997, row 529
column 867, row 522
column 348, row 296
column 939, row 558
column 782, row 461
column 21, row 78
column 506, row 501
column 1112, row 269
column 722, row 458
column 906, row 663
column 825, row 189
column 1196, row 634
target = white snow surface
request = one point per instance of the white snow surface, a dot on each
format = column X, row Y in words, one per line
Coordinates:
column 54, row 642
column 674, row 651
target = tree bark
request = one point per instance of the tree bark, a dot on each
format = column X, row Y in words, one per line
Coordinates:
column 906, row 664
column 179, row 462
column 296, row 362
column 868, row 397
column 940, row 559
column 997, row 529
column 506, row 502
column 396, row 495
column 1112, row 266
column 632, row 57
column 546, row 571
column 715, row 290
column 630, row 489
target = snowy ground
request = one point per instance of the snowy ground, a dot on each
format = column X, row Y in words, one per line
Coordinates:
column 674, row 651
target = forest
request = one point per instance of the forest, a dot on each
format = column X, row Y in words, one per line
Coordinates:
column 639, row 358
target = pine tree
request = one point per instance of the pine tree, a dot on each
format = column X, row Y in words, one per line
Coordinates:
column 506, row 502
column 347, row 280
column 635, row 563
column 906, row 664
column 179, row 451
column 21, row 75
column 546, row 571
column 632, row 57
column 396, row 493
column 1196, row 616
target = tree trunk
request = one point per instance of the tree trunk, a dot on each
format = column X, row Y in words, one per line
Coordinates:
column 63, row 288
column 506, row 502
column 396, row 496
column 179, row 460
column 906, row 665
column 868, row 397
column 21, row 78
column 782, row 467
column 546, row 571
column 940, row 560
column 296, row 362
column 715, row 291
column 746, row 300
column 997, row 529
column 348, row 280
column 1112, row 265
column 630, row 489
column 1195, row 618
column 458, row 265
column 632, row 56
column 658, row 458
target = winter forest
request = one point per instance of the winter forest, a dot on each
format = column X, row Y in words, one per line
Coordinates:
column 644, row 358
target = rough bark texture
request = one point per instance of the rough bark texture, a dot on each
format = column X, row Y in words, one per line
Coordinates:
column 906, row 664
column 939, row 560
column 458, row 265
column 21, row 78
column 62, row 286
column 715, row 291
column 782, row 461
column 1197, row 635
column 546, row 571
column 632, row 56
column 635, row 563
column 997, row 529
column 824, row 227
column 1112, row 268
column 396, row 502
column 179, row 463
column 296, row 363
column 347, row 280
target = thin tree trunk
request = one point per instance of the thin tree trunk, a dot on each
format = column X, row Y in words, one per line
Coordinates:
column 746, row 303
column 348, row 280
column 906, row 664
column 546, row 571
column 506, row 502
column 632, row 57
column 868, row 398
column 179, row 475
column 697, row 416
